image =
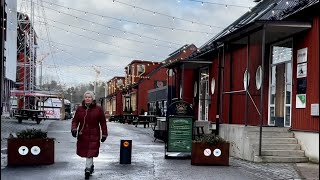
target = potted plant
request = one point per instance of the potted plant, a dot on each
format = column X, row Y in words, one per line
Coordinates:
column 210, row 149
column 30, row 147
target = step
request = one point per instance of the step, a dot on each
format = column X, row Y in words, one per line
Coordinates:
column 267, row 129
column 283, row 153
column 274, row 140
column 277, row 146
column 278, row 159
column 269, row 134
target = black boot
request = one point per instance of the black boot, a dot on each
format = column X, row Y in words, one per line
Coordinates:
column 92, row 169
column 87, row 173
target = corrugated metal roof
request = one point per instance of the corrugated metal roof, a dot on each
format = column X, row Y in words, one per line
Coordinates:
column 267, row 10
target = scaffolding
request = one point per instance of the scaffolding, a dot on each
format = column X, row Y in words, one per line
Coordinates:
column 26, row 52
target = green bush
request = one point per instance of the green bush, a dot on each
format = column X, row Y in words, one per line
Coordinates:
column 210, row 139
column 32, row 134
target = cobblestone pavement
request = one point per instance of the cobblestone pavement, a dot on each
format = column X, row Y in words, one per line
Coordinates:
column 261, row 170
column 268, row 170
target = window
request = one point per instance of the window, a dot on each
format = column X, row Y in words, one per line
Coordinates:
column 141, row 69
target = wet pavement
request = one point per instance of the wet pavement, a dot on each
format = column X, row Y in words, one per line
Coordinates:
column 147, row 160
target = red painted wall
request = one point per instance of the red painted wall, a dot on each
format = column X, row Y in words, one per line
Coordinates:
column 301, row 118
column 187, row 85
column 234, row 104
column 148, row 84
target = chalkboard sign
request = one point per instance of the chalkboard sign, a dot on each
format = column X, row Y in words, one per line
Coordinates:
column 179, row 134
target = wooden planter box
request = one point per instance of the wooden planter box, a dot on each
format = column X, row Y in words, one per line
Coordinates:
column 30, row 151
column 204, row 154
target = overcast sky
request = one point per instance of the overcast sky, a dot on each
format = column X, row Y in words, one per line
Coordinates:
column 109, row 35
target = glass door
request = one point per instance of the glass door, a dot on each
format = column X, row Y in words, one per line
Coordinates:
column 280, row 86
column 204, row 95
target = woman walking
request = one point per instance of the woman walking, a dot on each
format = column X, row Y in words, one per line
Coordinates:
column 87, row 124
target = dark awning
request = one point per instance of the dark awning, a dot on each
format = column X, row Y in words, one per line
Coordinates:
column 275, row 30
column 188, row 64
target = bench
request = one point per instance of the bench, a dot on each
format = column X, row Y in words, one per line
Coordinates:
column 145, row 123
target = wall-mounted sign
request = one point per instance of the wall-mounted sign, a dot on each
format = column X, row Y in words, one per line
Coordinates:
column 302, row 55
column 301, row 100
column 159, row 84
column 302, row 70
column 314, row 109
column 302, row 86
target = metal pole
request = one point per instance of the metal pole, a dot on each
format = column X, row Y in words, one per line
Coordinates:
column 219, row 92
column 41, row 75
column 248, row 58
column 262, row 81
column 25, row 70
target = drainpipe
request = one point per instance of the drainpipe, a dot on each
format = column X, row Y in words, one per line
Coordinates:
column 220, row 87
column 219, row 91
column 248, row 60
column 231, row 87
column 262, row 81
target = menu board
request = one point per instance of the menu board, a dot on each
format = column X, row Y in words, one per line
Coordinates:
column 179, row 134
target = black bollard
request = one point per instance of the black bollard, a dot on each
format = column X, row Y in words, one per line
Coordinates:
column 125, row 151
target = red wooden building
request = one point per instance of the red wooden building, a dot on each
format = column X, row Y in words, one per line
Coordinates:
column 162, row 83
column 115, row 88
column 134, row 101
column 262, row 70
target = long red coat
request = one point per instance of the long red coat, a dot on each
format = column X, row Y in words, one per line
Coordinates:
column 88, row 121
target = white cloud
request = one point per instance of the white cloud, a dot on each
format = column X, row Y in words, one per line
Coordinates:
column 74, row 65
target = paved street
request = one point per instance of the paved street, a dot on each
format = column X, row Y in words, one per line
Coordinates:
column 147, row 159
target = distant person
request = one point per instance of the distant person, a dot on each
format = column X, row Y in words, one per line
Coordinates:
column 86, row 124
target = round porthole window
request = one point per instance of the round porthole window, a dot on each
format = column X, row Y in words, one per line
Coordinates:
column 213, row 85
column 246, row 79
column 258, row 77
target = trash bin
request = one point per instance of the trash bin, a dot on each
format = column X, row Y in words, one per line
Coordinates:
column 125, row 151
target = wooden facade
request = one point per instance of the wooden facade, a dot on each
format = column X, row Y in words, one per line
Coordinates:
column 114, row 98
column 249, row 48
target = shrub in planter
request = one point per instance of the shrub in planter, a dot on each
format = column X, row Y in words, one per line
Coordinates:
column 30, row 147
column 210, row 149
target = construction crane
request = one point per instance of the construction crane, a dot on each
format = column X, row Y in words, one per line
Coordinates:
column 98, row 72
column 40, row 61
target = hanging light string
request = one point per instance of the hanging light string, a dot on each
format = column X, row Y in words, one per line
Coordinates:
column 99, row 33
column 79, row 60
column 90, row 50
column 135, row 22
column 221, row 4
column 163, row 14
column 109, row 27
column 132, row 50
column 103, row 66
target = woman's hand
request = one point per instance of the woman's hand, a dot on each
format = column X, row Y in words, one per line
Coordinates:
column 74, row 132
column 103, row 139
